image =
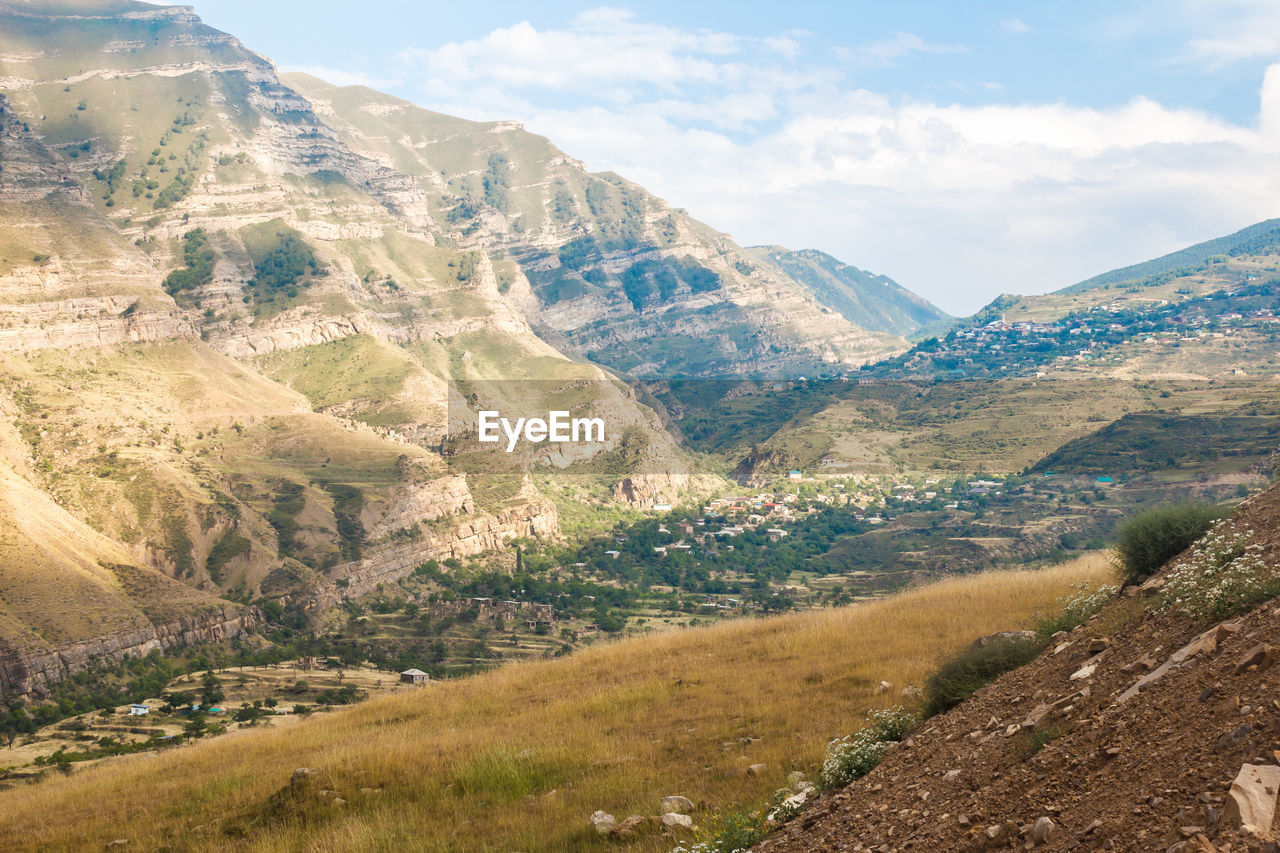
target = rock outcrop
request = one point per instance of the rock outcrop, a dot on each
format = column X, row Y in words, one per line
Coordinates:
column 32, row 671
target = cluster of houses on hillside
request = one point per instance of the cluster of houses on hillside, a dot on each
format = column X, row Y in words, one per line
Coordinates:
column 535, row 616
column 1029, row 347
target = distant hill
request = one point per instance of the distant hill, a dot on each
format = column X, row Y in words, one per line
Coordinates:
column 1247, row 241
column 876, row 303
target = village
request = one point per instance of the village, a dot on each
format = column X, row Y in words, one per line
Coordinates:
column 1030, row 349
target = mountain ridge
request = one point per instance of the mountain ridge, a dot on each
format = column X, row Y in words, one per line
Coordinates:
column 874, row 302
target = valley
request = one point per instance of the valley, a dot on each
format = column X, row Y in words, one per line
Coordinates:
column 253, row 327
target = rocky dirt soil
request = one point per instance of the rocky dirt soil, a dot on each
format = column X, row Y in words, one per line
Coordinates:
column 1140, row 730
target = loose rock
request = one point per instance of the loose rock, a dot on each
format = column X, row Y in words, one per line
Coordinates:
column 1259, row 656
column 677, row 804
column 1042, row 830
column 603, row 821
column 1251, row 803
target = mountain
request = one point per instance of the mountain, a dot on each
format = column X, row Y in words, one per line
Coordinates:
column 1252, row 240
column 597, row 265
column 234, row 353
column 247, row 323
column 1207, row 312
column 874, row 302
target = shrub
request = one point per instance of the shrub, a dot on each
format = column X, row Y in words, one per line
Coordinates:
column 855, row 756
column 737, row 833
column 962, row 675
column 1224, row 575
column 1147, row 541
column 1074, row 610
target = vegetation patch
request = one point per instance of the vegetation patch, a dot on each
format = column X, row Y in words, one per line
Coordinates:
column 1075, row 610
column 287, row 504
column 229, row 546
column 855, row 756
column 198, row 257
column 962, row 675
column 348, row 501
column 1224, row 575
column 1147, row 541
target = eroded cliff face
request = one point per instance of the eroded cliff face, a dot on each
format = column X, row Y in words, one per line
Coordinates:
column 25, row 671
column 533, row 518
column 592, row 260
column 221, row 427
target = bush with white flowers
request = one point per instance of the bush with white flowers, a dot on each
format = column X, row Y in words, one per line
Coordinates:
column 1223, row 575
column 852, row 757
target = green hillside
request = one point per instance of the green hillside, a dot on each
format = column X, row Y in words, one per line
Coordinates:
column 1254, row 240
column 874, row 302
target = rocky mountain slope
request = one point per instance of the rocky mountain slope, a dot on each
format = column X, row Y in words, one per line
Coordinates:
column 230, row 345
column 1142, row 729
column 598, row 265
column 870, row 301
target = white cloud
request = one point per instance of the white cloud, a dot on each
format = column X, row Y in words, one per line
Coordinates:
column 887, row 52
column 1233, row 30
column 957, row 202
column 1016, row 26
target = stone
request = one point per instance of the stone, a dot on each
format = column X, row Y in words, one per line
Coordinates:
column 677, row 804
column 757, row 769
column 1251, row 802
column 1099, row 644
column 1084, row 672
column 119, row 842
column 794, row 778
column 1146, row 663
column 951, row 776
column 1260, row 656
column 1151, row 586
column 1229, row 739
column 672, row 819
column 630, row 827
column 882, row 687
column 603, row 821
column 1004, row 637
column 1042, row 830
column 993, row 831
column 303, row 775
column 1205, row 643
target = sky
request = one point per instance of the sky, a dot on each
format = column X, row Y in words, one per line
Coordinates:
column 965, row 150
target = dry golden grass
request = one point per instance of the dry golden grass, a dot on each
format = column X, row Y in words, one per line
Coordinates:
column 517, row 759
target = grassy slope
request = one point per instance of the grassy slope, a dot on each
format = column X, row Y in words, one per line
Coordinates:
column 64, row 582
column 518, row 758
column 1262, row 232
